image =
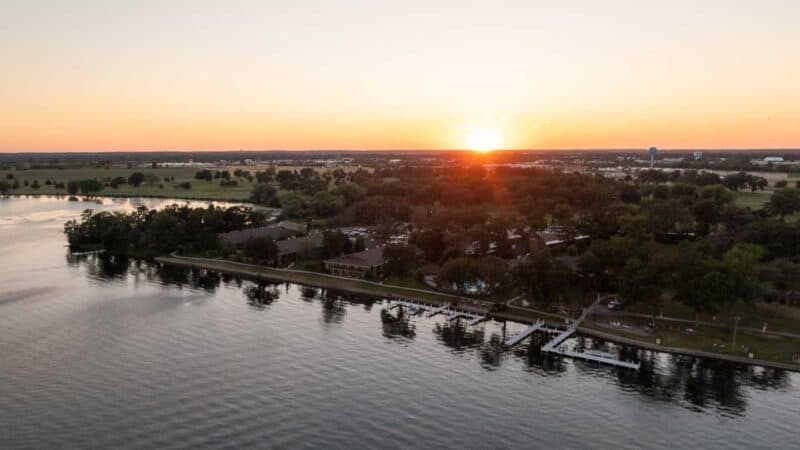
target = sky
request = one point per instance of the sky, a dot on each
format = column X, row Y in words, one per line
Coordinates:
column 257, row 75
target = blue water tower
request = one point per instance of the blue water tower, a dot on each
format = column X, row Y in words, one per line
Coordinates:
column 652, row 152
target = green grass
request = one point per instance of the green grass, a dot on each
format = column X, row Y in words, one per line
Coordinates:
column 201, row 190
column 752, row 200
column 713, row 340
column 778, row 317
column 406, row 282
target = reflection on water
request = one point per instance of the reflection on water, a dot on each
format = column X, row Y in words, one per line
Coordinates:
column 397, row 325
column 106, row 352
column 699, row 383
column 261, row 294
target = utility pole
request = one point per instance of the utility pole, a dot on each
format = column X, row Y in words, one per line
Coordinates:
column 735, row 323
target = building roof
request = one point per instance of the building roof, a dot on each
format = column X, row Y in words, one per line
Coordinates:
column 368, row 258
column 297, row 227
column 294, row 245
column 239, row 237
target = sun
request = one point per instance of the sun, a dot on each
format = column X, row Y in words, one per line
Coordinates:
column 483, row 140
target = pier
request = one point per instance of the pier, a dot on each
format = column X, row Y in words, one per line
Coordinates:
column 449, row 313
column 553, row 346
column 517, row 338
column 563, row 335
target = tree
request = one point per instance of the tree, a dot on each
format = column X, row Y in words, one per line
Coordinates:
column 742, row 263
column 400, row 259
column 635, row 281
column 360, row 244
column 325, row 204
column 294, row 206
column 116, row 181
column 458, row 271
column 151, row 179
column 5, row 188
column 204, row 174
column 495, row 273
column 263, row 194
column 630, row 194
column 135, row 179
column 90, row 186
column 350, row 192
column 706, row 214
column 782, row 274
column 334, row 243
column 72, row 187
column 432, row 244
column 696, row 281
column 784, row 202
column 261, row 250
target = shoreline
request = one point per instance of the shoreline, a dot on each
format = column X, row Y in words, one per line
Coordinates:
column 522, row 315
column 112, row 195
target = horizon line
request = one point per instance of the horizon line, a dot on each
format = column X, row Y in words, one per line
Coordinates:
column 589, row 149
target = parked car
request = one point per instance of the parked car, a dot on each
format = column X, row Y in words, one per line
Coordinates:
column 615, row 306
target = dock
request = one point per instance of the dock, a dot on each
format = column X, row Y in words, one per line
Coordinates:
column 590, row 355
column 517, row 338
column 553, row 346
column 562, row 335
column 93, row 252
column 449, row 313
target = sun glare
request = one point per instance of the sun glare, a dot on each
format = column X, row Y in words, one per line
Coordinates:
column 483, row 140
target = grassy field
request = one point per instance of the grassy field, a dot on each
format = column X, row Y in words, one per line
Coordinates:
column 205, row 190
column 752, row 200
column 712, row 340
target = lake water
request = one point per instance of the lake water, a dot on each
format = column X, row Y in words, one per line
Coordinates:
column 98, row 353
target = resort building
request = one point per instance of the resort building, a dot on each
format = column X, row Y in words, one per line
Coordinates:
column 307, row 247
column 276, row 231
column 369, row 263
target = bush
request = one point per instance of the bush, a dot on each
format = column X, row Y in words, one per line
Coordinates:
column 136, row 179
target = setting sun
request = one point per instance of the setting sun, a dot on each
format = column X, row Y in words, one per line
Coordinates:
column 483, row 140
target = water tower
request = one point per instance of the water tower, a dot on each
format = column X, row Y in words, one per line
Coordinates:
column 652, row 152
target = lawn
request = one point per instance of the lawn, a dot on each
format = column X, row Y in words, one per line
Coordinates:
column 713, row 340
column 752, row 200
column 755, row 315
column 202, row 190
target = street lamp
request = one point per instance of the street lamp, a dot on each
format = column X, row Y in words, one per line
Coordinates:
column 735, row 323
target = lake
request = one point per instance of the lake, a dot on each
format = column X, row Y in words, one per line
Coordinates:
column 96, row 352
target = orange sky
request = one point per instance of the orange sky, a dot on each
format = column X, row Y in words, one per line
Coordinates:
column 209, row 75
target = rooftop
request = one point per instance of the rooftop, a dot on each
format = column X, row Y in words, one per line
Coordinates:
column 294, row 245
column 368, row 258
column 238, row 237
